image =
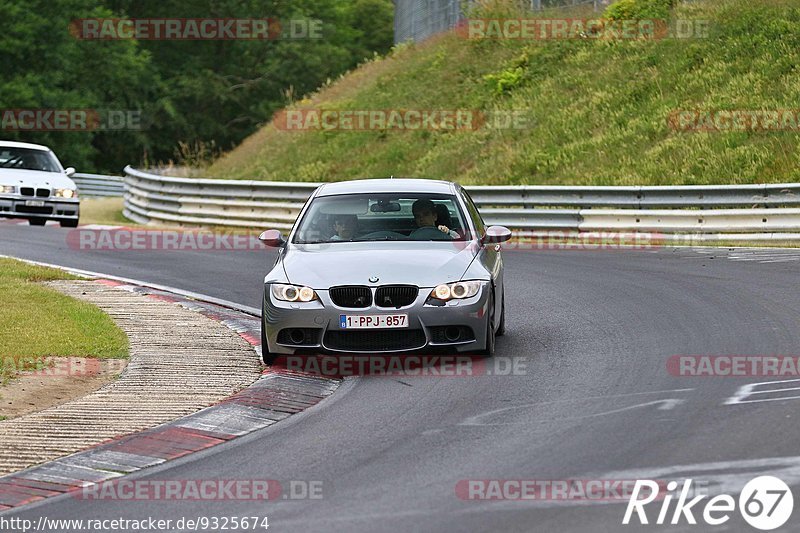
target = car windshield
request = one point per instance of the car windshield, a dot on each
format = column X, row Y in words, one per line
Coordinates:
column 381, row 217
column 28, row 159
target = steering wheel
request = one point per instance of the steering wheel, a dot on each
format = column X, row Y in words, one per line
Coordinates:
column 429, row 233
column 381, row 235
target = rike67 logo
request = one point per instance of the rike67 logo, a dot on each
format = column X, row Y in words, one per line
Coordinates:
column 766, row 503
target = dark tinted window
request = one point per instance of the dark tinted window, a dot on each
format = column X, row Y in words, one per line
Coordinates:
column 27, row 159
column 473, row 212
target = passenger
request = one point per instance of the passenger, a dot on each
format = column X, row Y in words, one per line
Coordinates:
column 425, row 215
column 345, row 226
column 443, row 219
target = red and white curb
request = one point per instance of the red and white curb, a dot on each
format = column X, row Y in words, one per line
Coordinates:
column 277, row 395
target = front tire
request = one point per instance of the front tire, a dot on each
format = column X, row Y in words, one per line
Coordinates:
column 69, row 223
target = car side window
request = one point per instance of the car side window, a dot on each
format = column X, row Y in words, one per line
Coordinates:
column 474, row 214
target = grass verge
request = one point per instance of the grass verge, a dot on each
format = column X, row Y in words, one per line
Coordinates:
column 600, row 109
column 106, row 211
column 39, row 322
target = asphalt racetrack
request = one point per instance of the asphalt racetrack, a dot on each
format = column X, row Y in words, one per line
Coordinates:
column 591, row 333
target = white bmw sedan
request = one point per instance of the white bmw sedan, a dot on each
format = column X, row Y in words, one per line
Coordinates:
column 34, row 185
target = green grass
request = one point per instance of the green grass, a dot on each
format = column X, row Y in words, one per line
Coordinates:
column 599, row 108
column 107, row 211
column 39, row 322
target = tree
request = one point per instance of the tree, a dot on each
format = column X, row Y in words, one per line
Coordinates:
column 195, row 92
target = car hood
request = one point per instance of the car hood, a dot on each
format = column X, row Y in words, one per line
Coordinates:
column 425, row 264
column 35, row 178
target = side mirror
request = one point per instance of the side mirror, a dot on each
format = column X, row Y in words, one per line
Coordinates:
column 69, row 172
column 272, row 238
column 496, row 234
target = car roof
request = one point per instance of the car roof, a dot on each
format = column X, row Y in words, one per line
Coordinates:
column 15, row 144
column 387, row 185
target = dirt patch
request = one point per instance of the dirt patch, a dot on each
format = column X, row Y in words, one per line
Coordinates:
column 64, row 379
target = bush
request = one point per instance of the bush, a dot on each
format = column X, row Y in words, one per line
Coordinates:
column 509, row 78
column 639, row 9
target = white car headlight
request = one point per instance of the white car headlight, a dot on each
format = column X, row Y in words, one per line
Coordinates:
column 293, row 293
column 66, row 193
column 8, row 189
column 457, row 291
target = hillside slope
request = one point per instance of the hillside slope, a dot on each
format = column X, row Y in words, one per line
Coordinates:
column 601, row 108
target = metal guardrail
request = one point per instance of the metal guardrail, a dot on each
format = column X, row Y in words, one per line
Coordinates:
column 96, row 185
column 708, row 211
column 205, row 202
column 652, row 197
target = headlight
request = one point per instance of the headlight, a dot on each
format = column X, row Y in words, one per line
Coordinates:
column 8, row 189
column 293, row 293
column 66, row 193
column 458, row 291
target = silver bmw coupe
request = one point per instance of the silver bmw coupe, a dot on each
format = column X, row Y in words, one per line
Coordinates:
column 381, row 266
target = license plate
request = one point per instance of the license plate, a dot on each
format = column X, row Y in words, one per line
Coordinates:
column 373, row 321
column 34, row 203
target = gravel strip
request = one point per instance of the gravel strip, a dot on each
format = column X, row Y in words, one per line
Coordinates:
column 181, row 362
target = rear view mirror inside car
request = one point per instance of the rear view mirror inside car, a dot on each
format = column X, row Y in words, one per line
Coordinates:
column 385, row 207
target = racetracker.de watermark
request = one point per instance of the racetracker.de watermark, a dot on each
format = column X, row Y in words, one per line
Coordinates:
column 734, row 365
column 60, row 366
column 587, row 241
column 547, row 29
column 71, row 119
column 177, row 490
column 403, row 365
column 558, row 490
column 356, row 120
column 195, row 29
column 734, row 120
column 131, row 239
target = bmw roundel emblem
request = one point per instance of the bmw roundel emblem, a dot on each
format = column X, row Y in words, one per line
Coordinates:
column 374, row 279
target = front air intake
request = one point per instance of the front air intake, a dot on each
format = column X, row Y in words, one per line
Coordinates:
column 353, row 296
column 396, row 295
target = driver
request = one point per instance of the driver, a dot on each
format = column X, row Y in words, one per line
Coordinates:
column 425, row 215
column 345, row 226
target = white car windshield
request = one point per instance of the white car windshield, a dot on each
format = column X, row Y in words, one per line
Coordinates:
column 381, row 217
column 28, row 159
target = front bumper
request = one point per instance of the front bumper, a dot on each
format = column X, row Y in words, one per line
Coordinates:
column 424, row 331
column 18, row 206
